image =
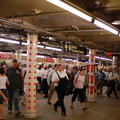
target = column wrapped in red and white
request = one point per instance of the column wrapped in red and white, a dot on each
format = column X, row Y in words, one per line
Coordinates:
column 30, row 111
column 91, row 76
column 115, row 62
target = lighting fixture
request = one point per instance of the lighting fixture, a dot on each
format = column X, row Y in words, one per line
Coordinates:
column 38, row 56
column 52, row 48
column 106, row 27
column 39, row 46
column 101, row 58
column 71, row 9
column 9, row 41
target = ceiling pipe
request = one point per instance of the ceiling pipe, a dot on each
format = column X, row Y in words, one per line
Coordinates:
column 63, row 38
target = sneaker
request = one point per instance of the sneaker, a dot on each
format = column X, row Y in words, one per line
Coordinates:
column 9, row 111
column 17, row 113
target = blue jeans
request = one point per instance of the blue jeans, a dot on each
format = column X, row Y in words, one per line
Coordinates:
column 13, row 98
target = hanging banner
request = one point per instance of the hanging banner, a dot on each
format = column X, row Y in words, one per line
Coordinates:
column 109, row 54
column 74, row 49
column 5, row 55
column 49, row 59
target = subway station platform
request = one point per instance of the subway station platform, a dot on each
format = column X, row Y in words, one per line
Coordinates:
column 103, row 109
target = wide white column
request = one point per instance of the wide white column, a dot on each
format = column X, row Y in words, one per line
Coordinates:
column 91, row 76
column 115, row 62
column 18, row 55
column 30, row 111
column 56, row 61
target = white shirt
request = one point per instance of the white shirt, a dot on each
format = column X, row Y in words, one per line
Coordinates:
column 80, row 81
column 113, row 76
column 24, row 71
column 3, row 80
column 55, row 76
column 44, row 74
column 39, row 73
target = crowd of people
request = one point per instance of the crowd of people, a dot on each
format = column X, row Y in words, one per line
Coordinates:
column 50, row 78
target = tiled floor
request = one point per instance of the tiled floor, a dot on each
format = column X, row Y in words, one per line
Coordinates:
column 103, row 109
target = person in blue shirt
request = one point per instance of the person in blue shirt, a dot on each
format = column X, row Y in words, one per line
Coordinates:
column 100, row 76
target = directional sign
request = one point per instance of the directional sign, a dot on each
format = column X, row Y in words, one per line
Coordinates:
column 74, row 49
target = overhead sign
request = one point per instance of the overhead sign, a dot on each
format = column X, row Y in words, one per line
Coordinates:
column 4, row 55
column 49, row 59
column 109, row 54
column 75, row 49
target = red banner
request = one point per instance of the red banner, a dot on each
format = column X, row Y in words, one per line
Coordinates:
column 49, row 59
column 109, row 54
column 4, row 55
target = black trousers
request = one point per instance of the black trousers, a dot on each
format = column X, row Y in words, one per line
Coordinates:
column 113, row 89
column 84, row 91
column 60, row 101
column 79, row 92
column 45, row 87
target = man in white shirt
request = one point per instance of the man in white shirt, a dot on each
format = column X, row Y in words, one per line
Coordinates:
column 51, row 84
column 57, row 76
column 113, row 77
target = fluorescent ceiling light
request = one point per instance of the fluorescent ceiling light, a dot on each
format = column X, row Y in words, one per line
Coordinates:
column 52, row 48
column 66, row 59
column 71, row 9
column 117, row 22
column 40, row 56
column 106, row 27
column 9, row 41
column 40, row 46
column 23, row 43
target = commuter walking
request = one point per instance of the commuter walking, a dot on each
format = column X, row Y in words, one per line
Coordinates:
column 113, row 77
column 3, row 82
column 51, row 84
column 16, row 80
column 100, row 76
column 45, row 84
column 59, row 79
column 78, row 88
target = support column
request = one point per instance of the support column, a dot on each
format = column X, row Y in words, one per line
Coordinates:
column 30, row 111
column 18, row 56
column 115, row 62
column 56, row 61
column 91, row 76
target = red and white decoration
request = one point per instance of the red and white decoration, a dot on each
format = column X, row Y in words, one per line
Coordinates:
column 115, row 61
column 31, row 77
column 91, row 78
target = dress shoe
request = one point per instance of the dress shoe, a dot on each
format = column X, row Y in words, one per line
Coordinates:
column 55, row 108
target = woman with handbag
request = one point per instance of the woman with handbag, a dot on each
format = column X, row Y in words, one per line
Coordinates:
column 78, row 88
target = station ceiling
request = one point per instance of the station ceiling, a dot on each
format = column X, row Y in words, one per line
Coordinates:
column 40, row 14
